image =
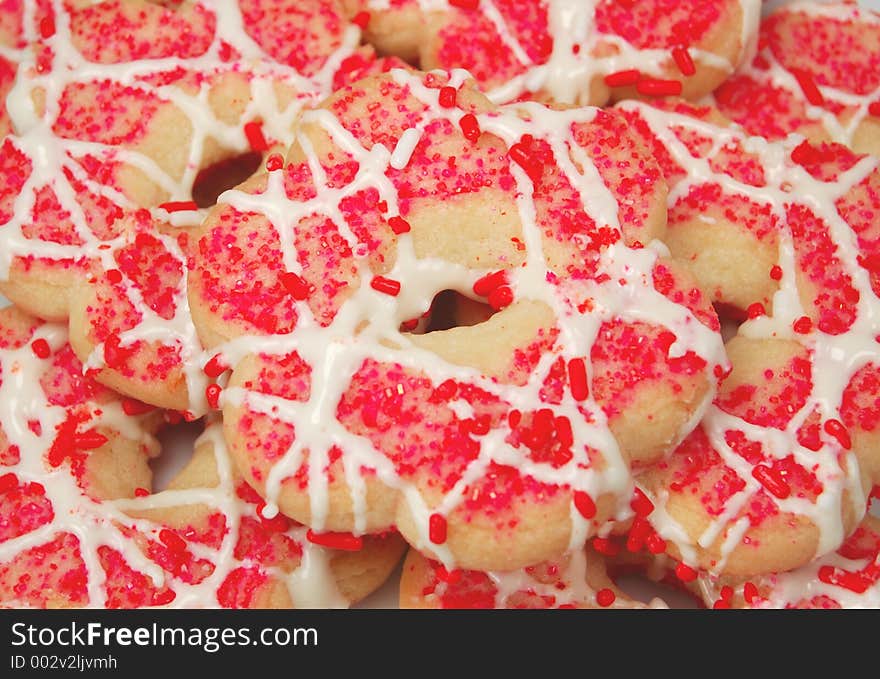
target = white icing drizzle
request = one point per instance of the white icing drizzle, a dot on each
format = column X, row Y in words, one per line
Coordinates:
column 574, row 62
column 52, row 154
column 367, row 325
column 97, row 523
column 835, row 359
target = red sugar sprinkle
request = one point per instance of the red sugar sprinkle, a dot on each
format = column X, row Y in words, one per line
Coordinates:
column 215, row 367
column 836, row 429
column 361, row 19
column 776, row 272
column 640, row 504
column 465, row 4
column 654, row 87
column 450, row 577
column 623, row 78
column 605, row 597
column 584, row 504
column 41, row 348
column 750, row 592
column 274, row 162
column 501, row 297
column 295, row 285
column 854, row 582
column 726, row 593
column 470, row 127
column 772, row 481
column 803, row 325
column 721, row 605
column 808, row 86
column 386, row 286
column 683, row 60
column 399, row 225
column 172, row 540
column 606, row 546
column 685, row 573
column 212, row 393
column 344, row 541
column 141, row 492
column 179, row 206
column 8, row 482
column 163, row 598
column 133, row 407
column 639, row 532
column 577, row 377
column 114, row 276
column 485, row 285
column 437, row 529
column 756, row 310
column 874, row 109
column 115, row 355
column 448, row 95
column 47, row 27
column 254, row 133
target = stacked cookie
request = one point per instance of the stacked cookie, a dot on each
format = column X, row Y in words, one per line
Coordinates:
column 424, row 294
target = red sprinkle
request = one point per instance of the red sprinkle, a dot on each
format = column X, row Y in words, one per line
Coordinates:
column 163, row 598
column 465, row 4
column 470, row 127
column 605, row 597
column 776, row 272
column 254, row 133
column 8, row 482
column 141, row 492
column 115, row 355
column 623, row 78
column 212, row 393
column 772, row 481
column 344, row 541
column 361, row 19
column 721, row 605
column 133, row 407
column 89, row 440
column 639, row 532
column 874, row 109
column 585, row 505
column 399, row 225
column 448, row 96
column 654, row 87
column 756, row 310
column 215, row 367
column 522, row 156
column 803, row 325
column 179, row 206
column 485, row 285
column 450, row 577
column 577, row 378
column 172, row 540
column 836, row 429
column 114, row 276
column 386, row 286
column 501, row 297
column 808, row 86
column 41, row 348
column 683, row 60
column 655, row 544
column 640, row 504
column 274, row 162
column 47, row 27
column 685, row 573
column 295, row 285
column 437, row 529
column 750, row 592
column 854, row 582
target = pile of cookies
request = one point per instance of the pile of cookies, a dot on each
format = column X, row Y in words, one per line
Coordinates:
column 530, row 296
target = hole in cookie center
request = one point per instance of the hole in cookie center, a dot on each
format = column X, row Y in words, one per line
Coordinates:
column 177, row 444
column 449, row 309
column 219, row 177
